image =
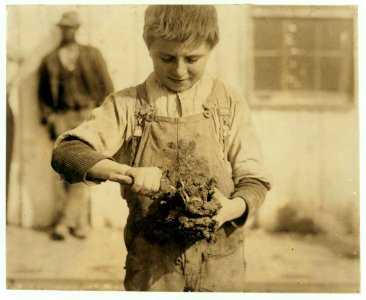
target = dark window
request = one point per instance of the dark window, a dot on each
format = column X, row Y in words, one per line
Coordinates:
column 301, row 59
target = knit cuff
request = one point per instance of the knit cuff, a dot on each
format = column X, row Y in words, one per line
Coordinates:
column 239, row 222
column 253, row 192
column 72, row 159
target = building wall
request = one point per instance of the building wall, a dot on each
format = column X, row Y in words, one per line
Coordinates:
column 312, row 155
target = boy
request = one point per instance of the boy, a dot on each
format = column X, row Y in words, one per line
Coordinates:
column 141, row 133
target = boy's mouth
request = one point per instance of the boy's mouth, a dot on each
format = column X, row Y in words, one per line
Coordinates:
column 178, row 80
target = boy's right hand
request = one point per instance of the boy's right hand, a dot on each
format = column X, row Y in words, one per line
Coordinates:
column 146, row 180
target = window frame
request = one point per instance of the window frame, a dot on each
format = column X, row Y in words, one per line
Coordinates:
column 316, row 99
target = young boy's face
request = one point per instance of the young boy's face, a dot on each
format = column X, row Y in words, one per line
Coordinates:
column 178, row 65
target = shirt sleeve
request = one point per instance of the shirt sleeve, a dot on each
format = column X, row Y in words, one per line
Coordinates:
column 72, row 159
column 251, row 180
column 100, row 136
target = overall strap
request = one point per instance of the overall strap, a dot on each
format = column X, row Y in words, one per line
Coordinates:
column 143, row 114
column 220, row 102
column 224, row 112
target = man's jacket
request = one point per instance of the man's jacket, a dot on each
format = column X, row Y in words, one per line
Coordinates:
column 95, row 78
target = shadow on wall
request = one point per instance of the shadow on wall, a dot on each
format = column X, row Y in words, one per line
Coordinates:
column 341, row 222
column 32, row 201
column 37, row 180
column 290, row 221
column 342, row 238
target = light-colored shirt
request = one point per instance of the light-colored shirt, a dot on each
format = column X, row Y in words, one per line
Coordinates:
column 69, row 55
column 179, row 104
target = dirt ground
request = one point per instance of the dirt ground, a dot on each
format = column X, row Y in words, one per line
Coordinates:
column 279, row 262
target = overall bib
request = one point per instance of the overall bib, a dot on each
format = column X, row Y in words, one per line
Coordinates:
column 201, row 266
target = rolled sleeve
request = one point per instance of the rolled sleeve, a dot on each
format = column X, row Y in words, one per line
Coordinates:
column 99, row 137
column 73, row 158
column 251, row 180
column 253, row 192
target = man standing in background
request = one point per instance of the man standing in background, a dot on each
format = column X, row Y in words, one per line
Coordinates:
column 73, row 80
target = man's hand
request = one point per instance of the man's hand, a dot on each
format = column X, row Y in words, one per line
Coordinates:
column 146, row 180
column 231, row 208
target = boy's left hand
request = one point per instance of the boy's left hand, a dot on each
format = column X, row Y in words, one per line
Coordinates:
column 231, row 208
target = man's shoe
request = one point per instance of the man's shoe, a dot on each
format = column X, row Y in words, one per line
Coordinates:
column 80, row 232
column 60, row 232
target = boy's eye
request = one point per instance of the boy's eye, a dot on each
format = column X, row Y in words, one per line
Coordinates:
column 167, row 58
column 192, row 60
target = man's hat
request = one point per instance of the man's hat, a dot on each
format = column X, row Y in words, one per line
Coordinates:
column 69, row 19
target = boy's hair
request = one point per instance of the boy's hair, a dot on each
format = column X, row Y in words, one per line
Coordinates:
column 194, row 24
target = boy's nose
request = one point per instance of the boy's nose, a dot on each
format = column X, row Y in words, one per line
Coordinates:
column 180, row 69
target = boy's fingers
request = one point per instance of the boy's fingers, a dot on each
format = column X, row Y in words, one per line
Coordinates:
column 146, row 180
column 138, row 183
column 150, row 186
column 122, row 179
column 136, row 188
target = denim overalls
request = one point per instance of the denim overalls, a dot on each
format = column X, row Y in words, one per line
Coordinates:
column 172, row 267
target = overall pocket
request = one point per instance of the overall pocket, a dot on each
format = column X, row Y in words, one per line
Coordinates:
column 229, row 239
column 225, row 273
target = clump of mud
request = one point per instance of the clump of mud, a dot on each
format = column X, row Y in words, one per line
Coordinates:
column 184, row 207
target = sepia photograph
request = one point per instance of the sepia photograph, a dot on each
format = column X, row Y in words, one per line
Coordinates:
column 182, row 148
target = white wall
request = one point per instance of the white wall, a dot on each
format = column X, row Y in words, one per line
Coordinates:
column 313, row 157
